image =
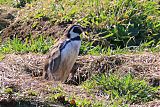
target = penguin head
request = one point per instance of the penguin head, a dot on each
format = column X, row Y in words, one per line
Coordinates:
column 74, row 31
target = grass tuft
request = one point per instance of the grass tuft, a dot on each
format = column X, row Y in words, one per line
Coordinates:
column 39, row 45
column 126, row 89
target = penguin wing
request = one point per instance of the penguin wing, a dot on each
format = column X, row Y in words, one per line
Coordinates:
column 54, row 58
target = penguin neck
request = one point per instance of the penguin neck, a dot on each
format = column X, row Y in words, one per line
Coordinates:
column 63, row 45
column 75, row 38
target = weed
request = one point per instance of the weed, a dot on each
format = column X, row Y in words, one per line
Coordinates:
column 6, row 1
column 57, row 89
column 56, row 93
column 83, row 102
column 89, row 103
column 1, row 56
column 89, row 84
column 123, row 23
column 126, row 89
column 8, row 90
column 40, row 45
column 32, row 93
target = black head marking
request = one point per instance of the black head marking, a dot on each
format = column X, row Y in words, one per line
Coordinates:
column 77, row 30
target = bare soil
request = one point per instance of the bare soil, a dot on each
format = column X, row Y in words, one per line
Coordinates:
column 23, row 30
column 7, row 16
column 13, row 24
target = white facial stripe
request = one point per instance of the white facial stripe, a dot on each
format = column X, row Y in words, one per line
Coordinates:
column 73, row 35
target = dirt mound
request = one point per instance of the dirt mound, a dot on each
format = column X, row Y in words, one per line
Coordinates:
column 145, row 66
column 30, row 22
column 32, row 29
column 7, row 16
column 19, row 23
column 20, row 71
column 14, row 65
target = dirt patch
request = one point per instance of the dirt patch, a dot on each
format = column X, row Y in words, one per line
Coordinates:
column 19, row 23
column 32, row 29
column 20, row 71
column 29, row 22
column 7, row 16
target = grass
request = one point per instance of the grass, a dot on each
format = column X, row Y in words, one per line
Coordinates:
column 1, row 56
column 87, row 103
column 114, row 27
column 39, row 45
column 8, row 91
column 88, row 48
column 122, row 23
column 43, row 44
column 32, row 93
column 6, row 1
column 122, row 89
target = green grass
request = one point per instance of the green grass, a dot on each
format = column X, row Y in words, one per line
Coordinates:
column 8, row 90
column 43, row 44
column 123, row 23
column 116, row 25
column 119, row 27
column 39, row 45
column 6, row 1
column 122, row 89
column 32, row 93
column 88, row 48
column 1, row 56
column 88, row 103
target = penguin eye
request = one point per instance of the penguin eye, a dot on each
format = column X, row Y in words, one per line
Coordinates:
column 77, row 30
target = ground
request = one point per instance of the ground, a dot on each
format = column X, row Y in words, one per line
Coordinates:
column 23, row 73
column 11, row 25
column 22, row 83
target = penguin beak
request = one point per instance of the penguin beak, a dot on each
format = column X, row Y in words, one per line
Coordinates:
column 85, row 33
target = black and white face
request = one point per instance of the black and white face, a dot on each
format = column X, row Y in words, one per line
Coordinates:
column 74, row 31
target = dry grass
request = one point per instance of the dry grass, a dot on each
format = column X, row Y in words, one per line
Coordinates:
column 146, row 65
column 20, row 71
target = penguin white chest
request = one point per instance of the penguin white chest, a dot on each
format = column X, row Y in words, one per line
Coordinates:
column 70, row 52
column 68, row 57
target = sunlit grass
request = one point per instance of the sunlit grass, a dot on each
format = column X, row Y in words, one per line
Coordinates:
column 88, row 48
column 119, row 27
column 123, row 24
column 39, row 45
column 1, row 56
column 6, row 1
column 122, row 89
column 43, row 44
